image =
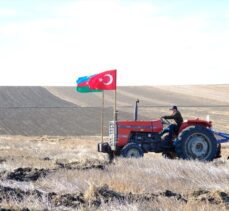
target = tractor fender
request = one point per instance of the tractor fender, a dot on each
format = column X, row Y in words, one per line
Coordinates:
column 189, row 141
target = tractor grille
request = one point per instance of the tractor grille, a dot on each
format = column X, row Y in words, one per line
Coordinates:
column 112, row 135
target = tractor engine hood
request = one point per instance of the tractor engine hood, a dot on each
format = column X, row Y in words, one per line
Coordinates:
column 140, row 126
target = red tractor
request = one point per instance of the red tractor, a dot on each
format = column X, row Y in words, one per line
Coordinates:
column 195, row 139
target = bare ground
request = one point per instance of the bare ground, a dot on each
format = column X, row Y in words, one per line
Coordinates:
column 66, row 173
column 62, row 111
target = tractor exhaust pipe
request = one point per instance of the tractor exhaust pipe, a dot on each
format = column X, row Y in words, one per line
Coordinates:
column 136, row 110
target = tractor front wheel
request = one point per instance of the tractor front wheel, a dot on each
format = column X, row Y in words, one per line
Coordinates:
column 196, row 142
column 132, row 150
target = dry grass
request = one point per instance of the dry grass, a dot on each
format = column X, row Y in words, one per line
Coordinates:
column 74, row 167
column 144, row 176
column 22, row 151
column 162, row 205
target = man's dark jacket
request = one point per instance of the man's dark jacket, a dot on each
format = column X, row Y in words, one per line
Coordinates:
column 176, row 116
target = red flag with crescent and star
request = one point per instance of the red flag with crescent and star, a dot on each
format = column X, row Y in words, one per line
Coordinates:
column 103, row 81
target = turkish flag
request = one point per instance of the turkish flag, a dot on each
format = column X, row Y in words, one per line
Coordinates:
column 103, row 81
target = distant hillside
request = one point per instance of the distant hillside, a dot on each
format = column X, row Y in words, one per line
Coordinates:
column 36, row 111
column 32, row 96
column 63, row 111
column 149, row 95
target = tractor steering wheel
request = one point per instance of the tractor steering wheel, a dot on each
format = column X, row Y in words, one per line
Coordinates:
column 165, row 121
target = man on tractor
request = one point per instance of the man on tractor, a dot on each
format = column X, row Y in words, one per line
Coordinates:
column 172, row 129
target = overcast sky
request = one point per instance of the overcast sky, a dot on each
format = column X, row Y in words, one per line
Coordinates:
column 149, row 42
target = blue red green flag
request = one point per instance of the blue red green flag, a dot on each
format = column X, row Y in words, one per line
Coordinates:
column 82, row 85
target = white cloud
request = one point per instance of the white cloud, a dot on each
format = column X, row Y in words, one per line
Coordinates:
column 92, row 36
column 107, row 8
column 7, row 12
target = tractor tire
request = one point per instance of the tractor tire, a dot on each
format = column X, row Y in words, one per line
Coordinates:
column 196, row 142
column 132, row 150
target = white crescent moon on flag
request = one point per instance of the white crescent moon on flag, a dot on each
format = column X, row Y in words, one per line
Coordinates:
column 110, row 80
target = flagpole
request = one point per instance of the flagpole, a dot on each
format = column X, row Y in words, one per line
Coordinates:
column 115, row 101
column 115, row 105
column 102, row 116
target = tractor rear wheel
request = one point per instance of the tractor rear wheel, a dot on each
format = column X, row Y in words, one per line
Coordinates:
column 132, row 150
column 196, row 142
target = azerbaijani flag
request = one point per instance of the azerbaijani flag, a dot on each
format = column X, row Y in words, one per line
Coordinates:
column 82, row 85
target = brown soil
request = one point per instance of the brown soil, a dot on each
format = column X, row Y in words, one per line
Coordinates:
column 106, row 195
